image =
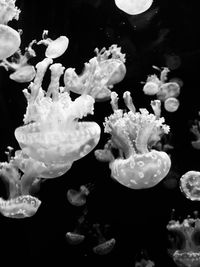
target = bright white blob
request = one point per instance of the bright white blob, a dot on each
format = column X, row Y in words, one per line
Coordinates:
column 133, row 7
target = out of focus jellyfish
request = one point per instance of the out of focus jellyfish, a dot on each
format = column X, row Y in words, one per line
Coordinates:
column 195, row 129
column 55, row 48
column 167, row 90
column 79, row 197
column 99, row 74
column 142, row 260
column 133, row 134
column 190, row 185
column 172, row 61
column 8, row 11
column 20, row 204
column 104, row 245
column 52, row 133
column 171, row 104
column 184, row 242
column 22, row 71
column 133, row 7
column 9, row 38
column 76, row 237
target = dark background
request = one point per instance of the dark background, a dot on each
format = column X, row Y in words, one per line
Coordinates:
column 137, row 219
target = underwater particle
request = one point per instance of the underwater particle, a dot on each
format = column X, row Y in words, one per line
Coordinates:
column 99, row 74
column 10, row 41
column 55, row 48
column 190, row 185
column 133, row 134
column 78, row 198
column 171, row 104
column 104, row 246
column 52, row 133
column 184, row 241
column 133, row 7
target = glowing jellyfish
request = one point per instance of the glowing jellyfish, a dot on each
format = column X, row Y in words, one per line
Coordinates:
column 99, row 75
column 133, row 134
column 22, row 71
column 55, row 48
column 195, row 129
column 9, row 41
column 169, row 89
column 8, row 11
column 190, row 185
column 104, row 246
column 171, row 104
column 52, row 133
column 184, row 242
column 133, row 7
column 76, row 237
column 78, row 197
column 20, row 204
column 152, row 85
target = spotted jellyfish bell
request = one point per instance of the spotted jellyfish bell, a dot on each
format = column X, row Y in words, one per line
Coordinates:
column 52, row 132
column 171, row 104
column 10, row 41
column 133, row 134
column 55, row 48
column 133, row 7
column 190, row 185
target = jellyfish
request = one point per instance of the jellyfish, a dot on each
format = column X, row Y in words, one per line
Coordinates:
column 137, row 166
column 99, row 75
column 195, row 129
column 173, row 61
column 22, row 71
column 10, row 41
column 55, row 48
column 167, row 90
column 104, row 245
column 79, row 197
column 142, row 259
column 52, row 133
column 8, row 11
column 184, row 241
column 133, row 7
column 190, row 185
column 76, row 237
column 20, row 203
column 171, row 104
column 152, row 85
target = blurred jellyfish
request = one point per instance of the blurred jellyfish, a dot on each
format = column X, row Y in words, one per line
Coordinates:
column 184, row 241
column 99, row 75
column 177, row 80
column 172, row 61
column 55, row 48
column 171, row 104
column 76, row 237
column 190, row 185
column 52, row 133
column 104, row 246
column 195, row 129
column 20, row 204
column 133, row 134
column 167, row 90
column 9, row 38
column 133, row 7
column 22, row 71
column 79, row 197
column 142, row 260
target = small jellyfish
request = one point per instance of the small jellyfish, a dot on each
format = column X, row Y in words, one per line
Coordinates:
column 8, row 11
column 104, row 246
column 142, row 259
column 168, row 89
column 195, row 129
column 190, row 185
column 10, row 41
column 76, row 237
column 55, row 48
column 133, row 7
column 152, row 85
column 22, row 71
column 78, row 197
column 172, row 61
column 171, row 104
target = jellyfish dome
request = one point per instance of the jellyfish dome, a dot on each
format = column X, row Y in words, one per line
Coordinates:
column 52, row 133
column 133, row 134
column 133, row 7
column 190, row 185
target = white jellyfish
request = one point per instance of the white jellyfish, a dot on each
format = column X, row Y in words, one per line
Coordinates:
column 133, row 7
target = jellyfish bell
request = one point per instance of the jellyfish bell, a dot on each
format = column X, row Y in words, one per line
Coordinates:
column 133, row 7
column 24, row 74
column 9, row 41
column 78, row 197
column 171, row 104
column 74, row 238
column 168, row 89
column 190, row 185
column 151, row 88
column 105, row 247
column 20, row 207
